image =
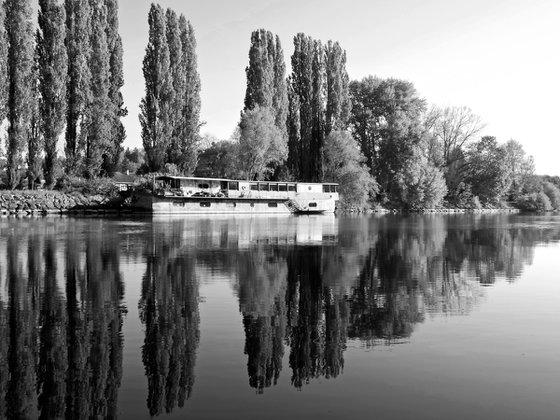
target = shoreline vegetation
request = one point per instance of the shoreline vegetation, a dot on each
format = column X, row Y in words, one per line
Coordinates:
column 61, row 75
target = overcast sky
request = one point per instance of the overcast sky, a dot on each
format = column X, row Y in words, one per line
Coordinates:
column 501, row 58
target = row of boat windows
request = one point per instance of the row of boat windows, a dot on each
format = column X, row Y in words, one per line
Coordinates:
column 268, row 186
column 209, row 204
column 265, row 186
column 261, row 186
column 330, row 188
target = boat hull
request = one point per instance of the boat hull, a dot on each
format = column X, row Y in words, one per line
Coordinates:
column 216, row 205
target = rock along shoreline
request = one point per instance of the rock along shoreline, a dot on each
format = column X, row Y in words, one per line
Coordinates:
column 55, row 202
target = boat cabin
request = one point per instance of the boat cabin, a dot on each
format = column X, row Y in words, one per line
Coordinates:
column 216, row 187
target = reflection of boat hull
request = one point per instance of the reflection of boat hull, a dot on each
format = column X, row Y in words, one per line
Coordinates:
column 240, row 231
column 230, row 205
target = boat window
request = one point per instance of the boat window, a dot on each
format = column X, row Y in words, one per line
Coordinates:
column 282, row 187
column 312, row 204
column 264, row 186
column 254, row 187
column 291, row 187
column 231, row 204
column 203, row 186
column 273, row 187
column 205, row 204
column 233, row 186
column 335, row 188
column 272, row 204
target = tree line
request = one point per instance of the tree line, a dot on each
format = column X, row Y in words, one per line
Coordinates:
column 61, row 76
column 170, row 110
column 377, row 137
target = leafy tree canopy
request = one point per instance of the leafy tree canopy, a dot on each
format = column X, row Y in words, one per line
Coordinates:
column 262, row 146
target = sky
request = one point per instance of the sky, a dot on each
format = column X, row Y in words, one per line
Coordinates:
column 501, row 58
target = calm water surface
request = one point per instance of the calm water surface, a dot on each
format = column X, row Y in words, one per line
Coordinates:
column 423, row 317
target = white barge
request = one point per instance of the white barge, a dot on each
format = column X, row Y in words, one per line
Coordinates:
column 191, row 195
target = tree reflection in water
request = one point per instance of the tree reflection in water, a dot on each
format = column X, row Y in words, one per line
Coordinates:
column 169, row 310
column 262, row 288
column 60, row 356
column 381, row 278
column 306, row 288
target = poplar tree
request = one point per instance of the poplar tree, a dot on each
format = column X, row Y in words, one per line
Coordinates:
column 319, row 82
column 78, row 19
column 266, row 76
column 155, row 106
column 260, row 72
column 189, row 126
column 338, row 97
column 52, row 73
column 176, row 74
column 98, row 114
column 280, row 92
column 294, row 131
column 3, row 63
column 116, row 82
column 19, row 28
column 307, row 85
column 317, row 141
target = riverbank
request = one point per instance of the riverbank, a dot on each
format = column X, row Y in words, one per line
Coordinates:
column 56, row 202
column 443, row 211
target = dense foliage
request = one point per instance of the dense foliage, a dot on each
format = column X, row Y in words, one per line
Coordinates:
column 64, row 77
column 344, row 163
column 218, row 160
column 266, row 76
column 378, row 138
column 116, row 82
column 170, row 111
column 262, row 146
column 78, row 89
column 19, row 29
column 3, row 63
column 52, row 66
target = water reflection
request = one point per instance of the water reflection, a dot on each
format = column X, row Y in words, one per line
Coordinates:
column 306, row 287
column 60, row 330
column 169, row 311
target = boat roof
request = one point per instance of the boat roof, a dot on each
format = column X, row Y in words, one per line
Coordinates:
column 194, row 178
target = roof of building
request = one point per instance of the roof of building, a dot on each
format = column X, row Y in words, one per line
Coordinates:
column 121, row 178
column 193, row 178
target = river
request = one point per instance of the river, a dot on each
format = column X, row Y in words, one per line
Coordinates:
column 323, row 317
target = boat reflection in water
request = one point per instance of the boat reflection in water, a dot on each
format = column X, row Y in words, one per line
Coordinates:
column 306, row 288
